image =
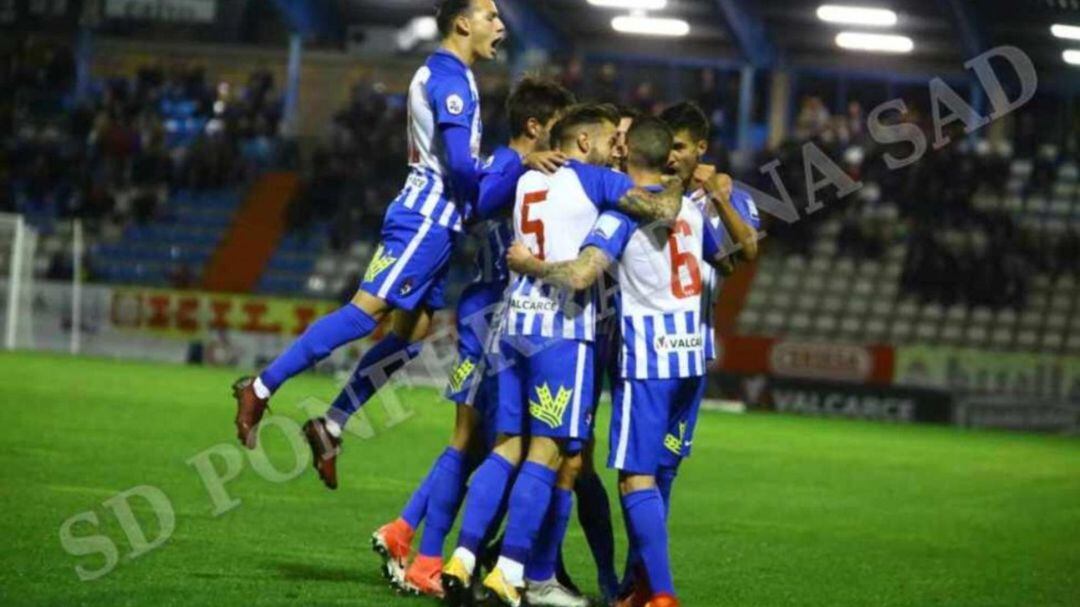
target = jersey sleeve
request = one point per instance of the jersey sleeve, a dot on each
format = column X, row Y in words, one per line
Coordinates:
column 611, row 233
column 498, row 183
column 713, row 238
column 451, row 101
column 603, row 186
column 745, row 207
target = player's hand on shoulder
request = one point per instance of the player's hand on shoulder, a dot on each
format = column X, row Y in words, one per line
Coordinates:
column 518, row 257
column 545, row 162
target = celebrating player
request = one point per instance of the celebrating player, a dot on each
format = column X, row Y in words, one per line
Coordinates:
column 408, row 272
column 533, row 107
column 547, row 393
column 662, row 359
column 738, row 219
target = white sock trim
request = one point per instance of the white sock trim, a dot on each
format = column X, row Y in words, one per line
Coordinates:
column 336, row 420
column 513, row 571
column 466, row 557
column 332, row 426
column 260, row 389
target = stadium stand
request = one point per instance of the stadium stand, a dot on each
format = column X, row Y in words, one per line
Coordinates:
column 948, row 255
column 154, row 165
column 167, row 159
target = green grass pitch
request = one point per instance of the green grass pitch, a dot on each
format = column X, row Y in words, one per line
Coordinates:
column 771, row 510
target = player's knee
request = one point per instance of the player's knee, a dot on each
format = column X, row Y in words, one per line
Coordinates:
column 509, row 448
column 371, row 305
column 546, row 452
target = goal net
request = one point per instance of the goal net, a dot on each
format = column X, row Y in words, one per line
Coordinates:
column 18, row 244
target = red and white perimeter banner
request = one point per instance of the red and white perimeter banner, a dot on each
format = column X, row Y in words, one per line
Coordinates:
column 753, row 355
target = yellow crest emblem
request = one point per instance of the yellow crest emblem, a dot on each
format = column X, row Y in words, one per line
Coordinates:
column 378, row 264
column 461, row 373
column 674, row 443
column 550, row 409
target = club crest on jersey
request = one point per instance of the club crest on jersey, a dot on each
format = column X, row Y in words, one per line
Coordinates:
column 417, row 181
column 455, row 105
column 674, row 443
column 461, row 374
column 550, row 409
column 379, row 263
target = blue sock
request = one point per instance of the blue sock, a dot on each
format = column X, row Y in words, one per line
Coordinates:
column 375, row 367
column 417, row 505
column 633, row 558
column 665, row 478
column 647, row 527
column 347, row 324
column 443, row 503
column 529, row 500
column 545, row 553
column 482, row 502
column 594, row 514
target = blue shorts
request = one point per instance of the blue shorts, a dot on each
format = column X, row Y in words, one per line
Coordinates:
column 475, row 314
column 548, row 389
column 682, row 430
column 652, row 422
column 410, row 266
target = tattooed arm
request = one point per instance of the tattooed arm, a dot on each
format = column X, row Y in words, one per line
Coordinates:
column 648, row 207
column 575, row 275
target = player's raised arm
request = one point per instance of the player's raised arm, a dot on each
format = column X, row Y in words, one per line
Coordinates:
column 464, row 174
column 498, row 186
column 533, row 107
column 650, row 207
column 719, row 188
column 616, row 191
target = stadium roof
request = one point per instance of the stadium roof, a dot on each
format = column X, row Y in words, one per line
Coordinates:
column 945, row 32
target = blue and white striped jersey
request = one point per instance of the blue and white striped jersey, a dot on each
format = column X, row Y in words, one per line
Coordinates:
column 660, row 285
column 710, row 278
column 552, row 215
column 443, row 92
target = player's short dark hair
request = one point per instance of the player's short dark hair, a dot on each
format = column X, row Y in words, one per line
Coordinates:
column 538, row 98
column 687, row 116
column 448, row 10
column 582, row 115
column 649, row 141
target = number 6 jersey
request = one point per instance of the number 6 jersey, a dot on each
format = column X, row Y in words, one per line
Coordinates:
column 552, row 216
column 659, row 297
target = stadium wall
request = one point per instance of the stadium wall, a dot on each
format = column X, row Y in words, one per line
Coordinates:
column 217, row 329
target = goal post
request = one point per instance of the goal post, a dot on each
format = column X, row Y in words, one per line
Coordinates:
column 18, row 244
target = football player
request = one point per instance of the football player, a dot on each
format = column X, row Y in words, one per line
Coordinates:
column 547, row 393
column 533, row 107
column 406, row 277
